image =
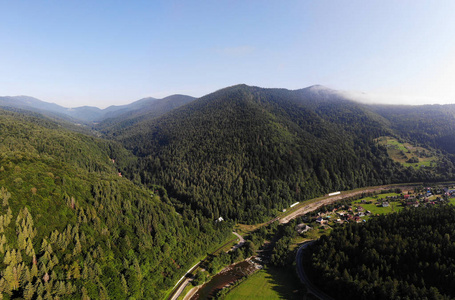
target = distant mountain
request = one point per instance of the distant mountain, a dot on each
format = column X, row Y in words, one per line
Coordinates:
column 148, row 108
column 90, row 114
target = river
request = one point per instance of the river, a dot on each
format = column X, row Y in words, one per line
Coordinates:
column 226, row 277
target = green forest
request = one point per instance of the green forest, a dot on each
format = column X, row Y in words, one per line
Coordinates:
column 71, row 227
column 256, row 151
column 406, row 255
column 123, row 208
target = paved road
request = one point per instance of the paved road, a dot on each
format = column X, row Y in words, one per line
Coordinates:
column 186, row 279
column 241, row 241
column 182, row 286
column 303, row 276
column 304, row 209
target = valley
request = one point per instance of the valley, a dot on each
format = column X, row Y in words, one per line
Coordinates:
column 123, row 207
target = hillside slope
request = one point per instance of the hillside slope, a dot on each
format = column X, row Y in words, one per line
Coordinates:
column 114, row 122
column 246, row 153
column 72, row 228
column 432, row 125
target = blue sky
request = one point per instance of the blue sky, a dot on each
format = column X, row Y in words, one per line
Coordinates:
column 114, row 52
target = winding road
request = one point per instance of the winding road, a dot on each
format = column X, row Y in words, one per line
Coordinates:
column 241, row 241
column 303, row 276
column 302, row 210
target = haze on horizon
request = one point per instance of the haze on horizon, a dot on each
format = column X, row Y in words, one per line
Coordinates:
column 102, row 53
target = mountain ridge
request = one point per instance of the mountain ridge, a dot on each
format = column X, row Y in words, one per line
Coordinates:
column 85, row 114
column 258, row 150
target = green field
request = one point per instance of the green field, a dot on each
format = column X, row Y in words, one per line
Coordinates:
column 402, row 152
column 394, row 207
column 269, row 283
column 375, row 209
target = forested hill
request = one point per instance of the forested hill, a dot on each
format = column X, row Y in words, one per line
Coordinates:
column 143, row 109
column 432, row 125
column 89, row 114
column 245, row 152
column 72, row 228
column 405, row 255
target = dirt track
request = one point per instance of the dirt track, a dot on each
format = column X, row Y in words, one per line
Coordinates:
column 306, row 208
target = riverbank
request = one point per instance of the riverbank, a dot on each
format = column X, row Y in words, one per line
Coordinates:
column 228, row 276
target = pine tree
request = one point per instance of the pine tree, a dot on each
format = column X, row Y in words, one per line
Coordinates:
column 4, row 195
column 21, row 242
column 39, row 287
column 124, row 285
column 25, row 276
column 29, row 249
column 18, row 257
column 3, row 285
column 102, row 291
column 34, row 271
column 12, row 277
column 29, row 291
column 9, row 217
column 7, row 258
column 70, row 289
column 85, row 273
column 77, row 248
column 84, row 294
column 60, row 288
column 76, row 270
column 44, row 245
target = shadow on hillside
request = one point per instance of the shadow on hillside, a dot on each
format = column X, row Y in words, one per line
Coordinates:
column 286, row 283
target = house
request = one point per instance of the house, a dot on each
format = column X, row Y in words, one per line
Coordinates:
column 360, row 208
column 321, row 221
column 361, row 214
column 301, row 228
column 220, row 219
column 357, row 219
column 385, row 204
column 407, row 196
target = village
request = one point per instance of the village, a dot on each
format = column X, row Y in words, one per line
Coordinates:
column 360, row 210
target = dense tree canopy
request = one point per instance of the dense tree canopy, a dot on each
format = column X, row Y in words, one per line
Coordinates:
column 71, row 227
column 246, row 153
column 82, row 216
column 406, row 255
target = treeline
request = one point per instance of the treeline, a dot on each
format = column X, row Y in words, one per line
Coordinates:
column 72, row 228
column 246, row 153
column 406, row 255
column 429, row 125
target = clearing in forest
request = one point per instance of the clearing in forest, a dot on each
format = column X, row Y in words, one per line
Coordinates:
column 406, row 154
